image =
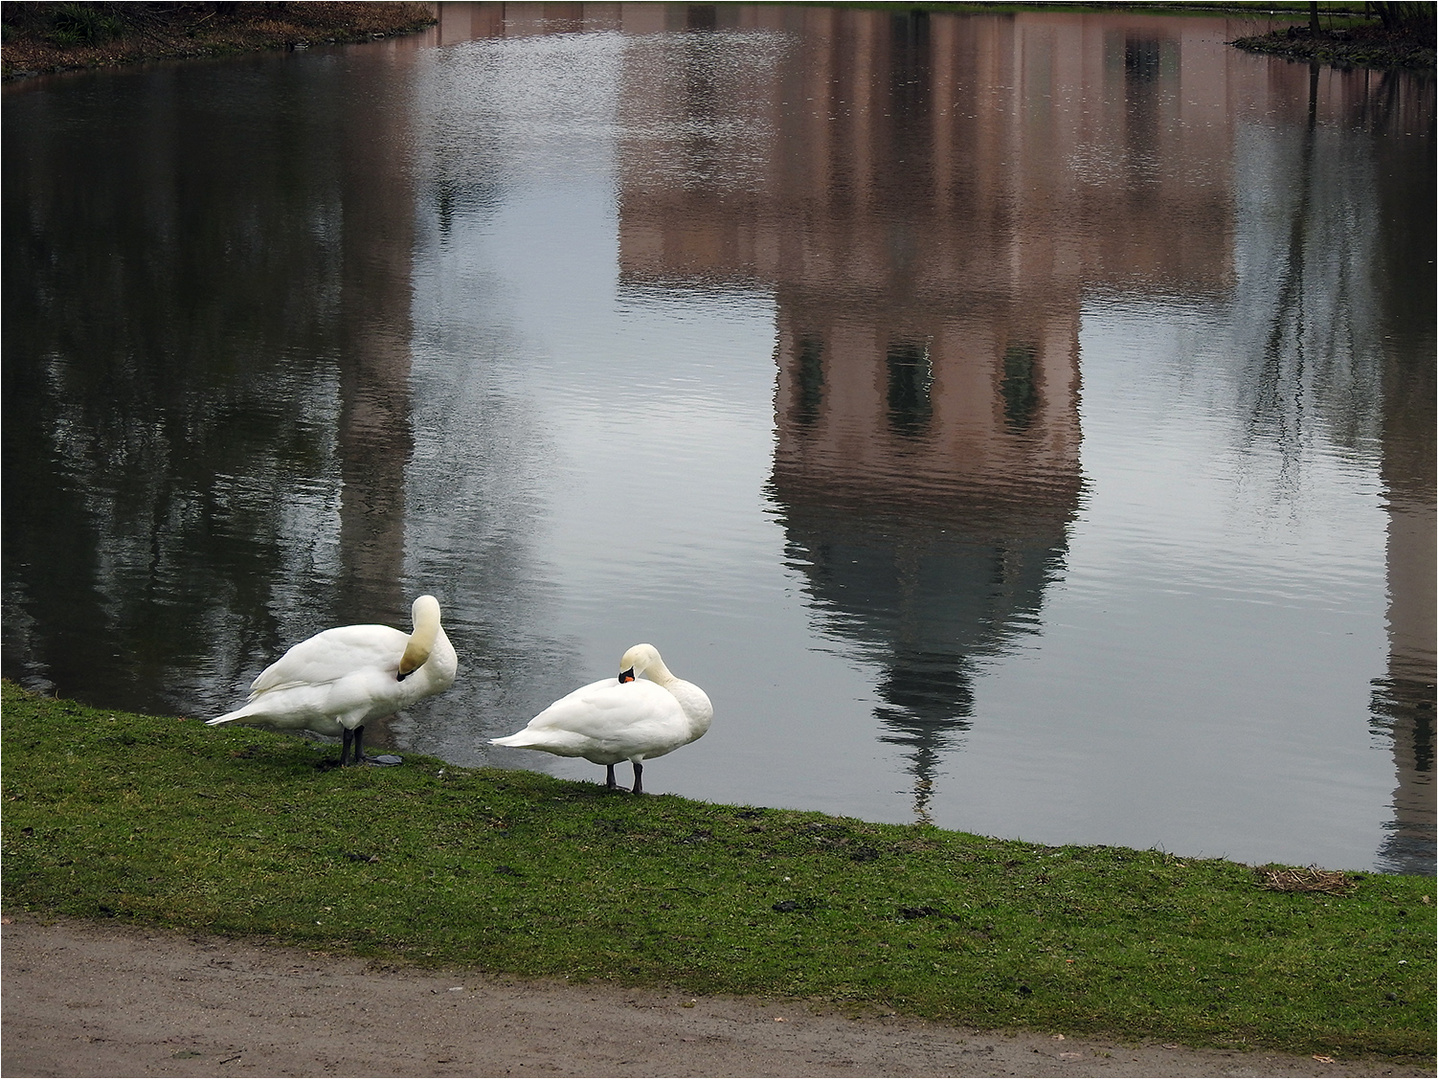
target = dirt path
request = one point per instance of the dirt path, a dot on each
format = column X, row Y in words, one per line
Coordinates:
column 84, row 999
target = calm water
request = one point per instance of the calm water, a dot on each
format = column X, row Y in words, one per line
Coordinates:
column 1022, row 423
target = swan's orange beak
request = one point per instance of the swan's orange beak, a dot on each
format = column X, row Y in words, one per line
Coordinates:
column 627, row 676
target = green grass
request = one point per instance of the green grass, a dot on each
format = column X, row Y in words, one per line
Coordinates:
column 166, row 822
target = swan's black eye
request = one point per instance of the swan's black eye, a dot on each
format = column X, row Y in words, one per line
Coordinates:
column 627, row 676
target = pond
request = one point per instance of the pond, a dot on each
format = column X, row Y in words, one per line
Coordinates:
column 1021, row 423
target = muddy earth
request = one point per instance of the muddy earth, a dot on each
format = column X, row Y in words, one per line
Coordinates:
column 101, row 999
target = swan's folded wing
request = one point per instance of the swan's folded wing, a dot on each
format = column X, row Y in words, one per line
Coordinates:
column 332, row 655
column 604, row 707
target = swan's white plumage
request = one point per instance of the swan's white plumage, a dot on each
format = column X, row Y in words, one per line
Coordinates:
column 337, row 681
column 645, row 713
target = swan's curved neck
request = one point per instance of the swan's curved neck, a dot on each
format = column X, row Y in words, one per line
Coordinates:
column 420, row 645
column 658, row 673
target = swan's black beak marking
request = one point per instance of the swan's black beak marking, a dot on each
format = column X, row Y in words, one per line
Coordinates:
column 403, row 675
column 627, row 676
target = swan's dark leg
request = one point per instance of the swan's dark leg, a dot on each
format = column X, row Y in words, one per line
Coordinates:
column 357, row 738
column 637, row 789
column 610, row 777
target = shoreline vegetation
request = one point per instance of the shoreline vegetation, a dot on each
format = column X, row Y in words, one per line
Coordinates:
column 48, row 38
column 1398, row 36
column 164, row 822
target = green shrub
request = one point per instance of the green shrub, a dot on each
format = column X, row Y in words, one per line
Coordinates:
column 83, row 24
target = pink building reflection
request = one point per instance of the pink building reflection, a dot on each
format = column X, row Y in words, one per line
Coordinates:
column 930, row 201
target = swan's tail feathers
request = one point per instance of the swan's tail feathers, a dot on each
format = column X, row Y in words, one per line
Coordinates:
column 237, row 714
column 563, row 743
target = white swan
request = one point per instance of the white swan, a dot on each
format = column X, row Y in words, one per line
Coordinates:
column 339, row 680
column 625, row 719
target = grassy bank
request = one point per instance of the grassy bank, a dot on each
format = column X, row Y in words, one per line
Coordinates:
column 166, row 822
column 50, row 37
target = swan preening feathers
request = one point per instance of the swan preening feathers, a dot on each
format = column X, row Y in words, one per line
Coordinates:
column 337, row 681
column 643, row 714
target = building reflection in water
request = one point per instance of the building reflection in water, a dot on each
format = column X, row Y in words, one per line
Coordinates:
column 937, row 199
column 929, row 220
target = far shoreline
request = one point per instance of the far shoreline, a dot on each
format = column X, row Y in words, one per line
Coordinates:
column 1361, row 47
column 48, row 39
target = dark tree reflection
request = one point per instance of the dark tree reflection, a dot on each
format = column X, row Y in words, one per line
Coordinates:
column 205, row 350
